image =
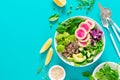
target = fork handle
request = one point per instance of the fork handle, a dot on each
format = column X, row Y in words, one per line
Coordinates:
column 115, row 25
column 116, row 48
column 116, row 33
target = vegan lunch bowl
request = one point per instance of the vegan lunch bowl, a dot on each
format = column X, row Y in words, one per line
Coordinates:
column 79, row 41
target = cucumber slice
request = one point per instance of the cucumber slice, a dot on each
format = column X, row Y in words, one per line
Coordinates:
column 81, row 63
column 88, row 54
column 90, row 59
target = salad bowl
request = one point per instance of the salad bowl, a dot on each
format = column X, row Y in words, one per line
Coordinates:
column 79, row 41
column 108, row 67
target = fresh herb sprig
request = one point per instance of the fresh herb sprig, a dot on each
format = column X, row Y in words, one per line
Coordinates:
column 85, row 4
column 70, row 11
column 40, row 69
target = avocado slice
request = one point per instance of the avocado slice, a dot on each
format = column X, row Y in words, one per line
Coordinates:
column 79, row 57
column 70, row 59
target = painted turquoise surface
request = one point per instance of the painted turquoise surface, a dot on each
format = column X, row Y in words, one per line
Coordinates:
column 24, row 27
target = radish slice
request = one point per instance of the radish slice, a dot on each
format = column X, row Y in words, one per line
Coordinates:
column 91, row 23
column 85, row 25
column 86, row 38
column 80, row 33
column 84, row 44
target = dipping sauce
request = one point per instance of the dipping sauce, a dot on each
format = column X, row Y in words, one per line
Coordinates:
column 57, row 73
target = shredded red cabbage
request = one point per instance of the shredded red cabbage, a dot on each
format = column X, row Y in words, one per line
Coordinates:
column 96, row 35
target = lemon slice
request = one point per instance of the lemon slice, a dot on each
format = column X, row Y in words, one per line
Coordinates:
column 46, row 45
column 49, row 56
column 60, row 3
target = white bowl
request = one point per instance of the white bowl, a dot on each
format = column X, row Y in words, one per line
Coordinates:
column 97, row 56
column 113, row 65
column 59, row 67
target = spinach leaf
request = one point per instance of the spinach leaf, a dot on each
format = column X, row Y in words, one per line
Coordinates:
column 70, row 25
column 61, row 28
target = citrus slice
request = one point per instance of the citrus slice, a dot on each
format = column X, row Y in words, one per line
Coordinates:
column 46, row 45
column 49, row 56
column 60, row 3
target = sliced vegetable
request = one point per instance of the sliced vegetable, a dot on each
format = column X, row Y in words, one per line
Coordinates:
column 84, row 44
column 80, row 33
column 46, row 45
column 91, row 23
column 86, row 38
column 79, row 57
column 70, row 59
column 85, row 25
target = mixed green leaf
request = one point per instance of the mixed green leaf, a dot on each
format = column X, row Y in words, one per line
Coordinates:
column 63, row 40
column 88, row 74
column 107, row 73
column 70, row 25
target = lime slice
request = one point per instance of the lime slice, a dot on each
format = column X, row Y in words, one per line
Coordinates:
column 60, row 3
column 49, row 56
column 46, row 45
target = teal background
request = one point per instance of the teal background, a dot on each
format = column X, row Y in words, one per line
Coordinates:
column 24, row 27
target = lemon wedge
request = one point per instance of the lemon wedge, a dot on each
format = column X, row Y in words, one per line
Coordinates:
column 60, row 3
column 46, row 45
column 49, row 56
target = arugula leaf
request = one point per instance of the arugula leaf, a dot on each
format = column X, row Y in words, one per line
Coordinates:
column 53, row 17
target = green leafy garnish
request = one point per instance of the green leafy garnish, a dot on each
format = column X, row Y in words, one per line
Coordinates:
column 107, row 73
column 53, row 17
column 88, row 75
column 51, row 25
column 85, row 4
column 70, row 11
column 40, row 69
column 54, row 8
column 71, row 7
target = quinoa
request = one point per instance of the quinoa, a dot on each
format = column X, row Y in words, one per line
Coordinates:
column 57, row 73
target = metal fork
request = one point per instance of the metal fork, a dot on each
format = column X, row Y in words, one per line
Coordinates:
column 106, row 25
